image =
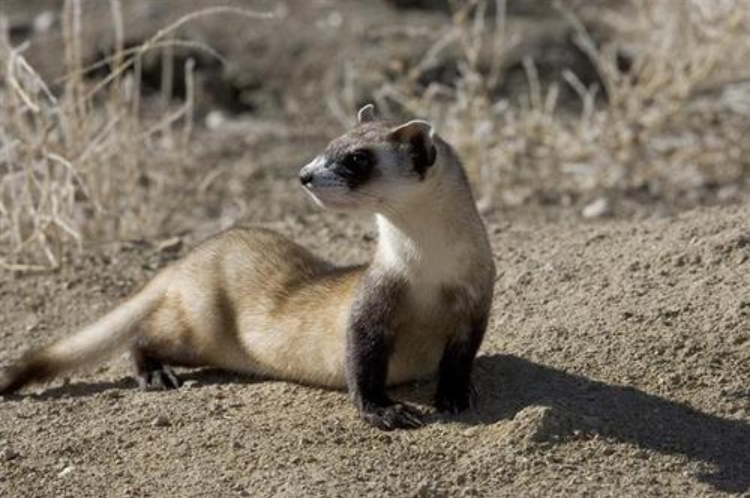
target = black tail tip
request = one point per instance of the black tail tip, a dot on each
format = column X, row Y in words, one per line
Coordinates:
column 11, row 380
column 32, row 368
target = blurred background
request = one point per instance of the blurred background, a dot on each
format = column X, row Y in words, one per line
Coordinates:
column 141, row 119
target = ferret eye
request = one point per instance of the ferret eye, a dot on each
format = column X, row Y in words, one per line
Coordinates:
column 359, row 161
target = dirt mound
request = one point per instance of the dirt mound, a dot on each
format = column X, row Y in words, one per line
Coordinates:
column 617, row 363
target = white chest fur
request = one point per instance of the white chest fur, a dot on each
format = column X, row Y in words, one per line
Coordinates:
column 431, row 255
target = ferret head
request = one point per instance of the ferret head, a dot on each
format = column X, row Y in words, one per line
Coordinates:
column 377, row 166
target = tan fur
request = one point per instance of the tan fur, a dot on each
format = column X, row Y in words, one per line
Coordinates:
column 252, row 301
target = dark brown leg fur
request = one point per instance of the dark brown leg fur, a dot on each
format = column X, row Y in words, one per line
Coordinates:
column 152, row 373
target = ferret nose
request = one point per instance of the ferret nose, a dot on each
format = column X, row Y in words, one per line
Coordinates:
column 307, row 173
column 305, row 177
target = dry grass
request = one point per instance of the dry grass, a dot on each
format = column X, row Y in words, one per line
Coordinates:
column 78, row 164
column 650, row 128
column 82, row 162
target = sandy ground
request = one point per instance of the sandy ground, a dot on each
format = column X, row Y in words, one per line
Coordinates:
column 617, row 361
column 617, row 364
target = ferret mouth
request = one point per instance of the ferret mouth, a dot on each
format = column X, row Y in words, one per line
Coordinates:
column 333, row 199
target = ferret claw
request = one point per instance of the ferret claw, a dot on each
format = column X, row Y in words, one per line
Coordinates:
column 395, row 416
column 162, row 379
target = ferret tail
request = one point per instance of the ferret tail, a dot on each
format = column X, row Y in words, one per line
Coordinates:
column 107, row 335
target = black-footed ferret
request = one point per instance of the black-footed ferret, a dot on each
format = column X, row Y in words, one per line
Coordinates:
column 252, row 301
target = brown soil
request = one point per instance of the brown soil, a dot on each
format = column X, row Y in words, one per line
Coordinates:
column 617, row 362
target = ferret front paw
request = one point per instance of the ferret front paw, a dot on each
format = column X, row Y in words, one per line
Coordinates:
column 453, row 402
column 395, row 416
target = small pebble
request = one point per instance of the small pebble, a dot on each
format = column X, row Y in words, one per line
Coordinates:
column 471, row 432
column 7, row 454
column 215, row 119
column 161, row 421
column 114, row 394
column 44, row 21
column 67, row 470
column 597, row 209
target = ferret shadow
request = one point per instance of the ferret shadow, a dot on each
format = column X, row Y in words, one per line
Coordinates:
column 507, row 384
column 198, row 378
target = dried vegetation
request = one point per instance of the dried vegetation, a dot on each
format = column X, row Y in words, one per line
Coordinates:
column 78, row 163
column 669, row 106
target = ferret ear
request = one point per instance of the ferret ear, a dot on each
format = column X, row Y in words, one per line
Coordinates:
column 419, row 136
column 366, row 114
